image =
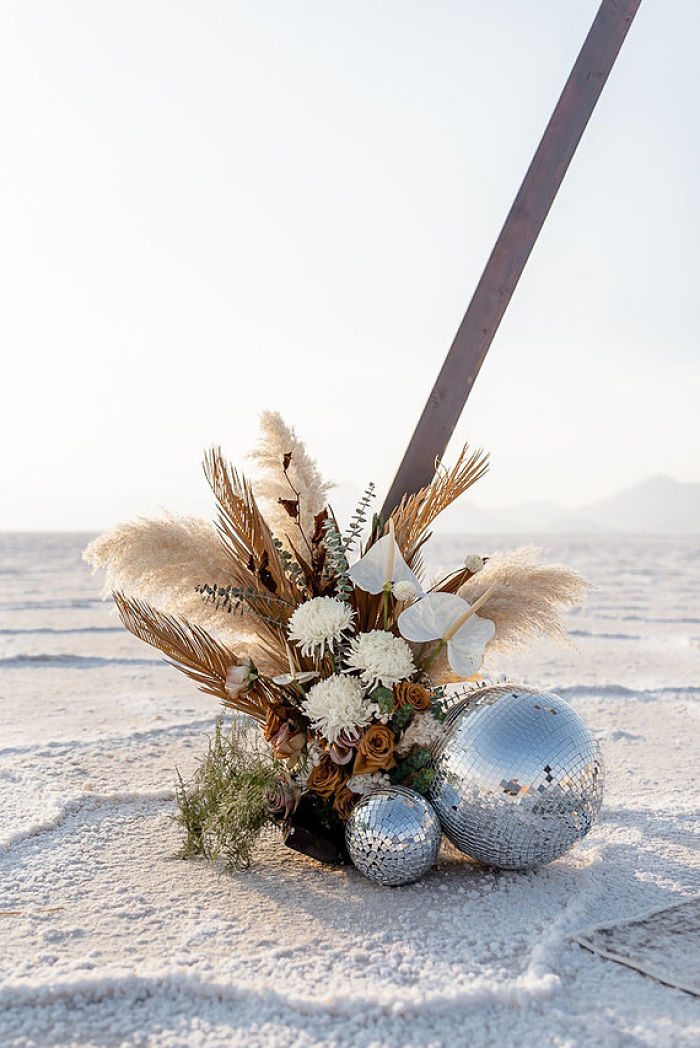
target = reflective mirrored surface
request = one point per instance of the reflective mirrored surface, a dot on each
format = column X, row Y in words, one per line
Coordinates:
column 519, row 777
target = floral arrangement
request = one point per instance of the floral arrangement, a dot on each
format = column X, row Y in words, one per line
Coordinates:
column 340, row 650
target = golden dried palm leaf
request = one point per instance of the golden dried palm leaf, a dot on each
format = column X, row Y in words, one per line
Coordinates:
column 189, row 649
column 368, row 608
column 451, row 583
column 245, row 535
column 415, row 513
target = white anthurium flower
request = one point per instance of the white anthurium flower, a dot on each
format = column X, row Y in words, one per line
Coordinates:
column 447, row 618
column 382, row 566
column 294, row 678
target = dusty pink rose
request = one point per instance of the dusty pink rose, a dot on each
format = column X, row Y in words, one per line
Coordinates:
column 343, row 749
column 350, row 739
column 341, row 754
column 281, row 799
column 287, row 741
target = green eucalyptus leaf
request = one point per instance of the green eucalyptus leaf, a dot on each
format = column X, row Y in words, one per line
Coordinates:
column 384, row 699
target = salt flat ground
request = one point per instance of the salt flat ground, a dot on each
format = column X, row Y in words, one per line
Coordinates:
column 137, row 949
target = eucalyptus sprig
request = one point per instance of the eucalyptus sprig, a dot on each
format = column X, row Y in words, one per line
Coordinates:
column 337, row 558
column 236, row 600
column 358, row 519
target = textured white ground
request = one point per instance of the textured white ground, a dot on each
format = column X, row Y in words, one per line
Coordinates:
column 136, row 949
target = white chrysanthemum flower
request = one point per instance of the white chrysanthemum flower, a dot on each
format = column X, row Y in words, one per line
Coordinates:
column 473, row 562
column 366, row 783
column 421, row 734
column 381, row 658
column 404, row 590
column 318, row 623
column 337, row 704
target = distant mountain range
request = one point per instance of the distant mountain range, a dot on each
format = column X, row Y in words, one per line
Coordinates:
column 654, row 506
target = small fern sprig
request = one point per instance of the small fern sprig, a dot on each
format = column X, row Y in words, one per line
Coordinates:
column 358, row 519
column 338, row 562
column 223, row 808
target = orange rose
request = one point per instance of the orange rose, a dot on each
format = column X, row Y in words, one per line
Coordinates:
column 345, row 801
column 326, row 778
column 407, row 694
column 375, row 751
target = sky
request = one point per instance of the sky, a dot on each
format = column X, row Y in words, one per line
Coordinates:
column 208, row 209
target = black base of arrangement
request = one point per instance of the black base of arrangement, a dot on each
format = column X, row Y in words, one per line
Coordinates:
column 316, row 832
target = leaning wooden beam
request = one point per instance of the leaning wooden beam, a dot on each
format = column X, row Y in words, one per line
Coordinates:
column 513, row 247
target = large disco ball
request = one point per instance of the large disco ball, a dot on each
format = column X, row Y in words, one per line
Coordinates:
column 393, row 835
column 519, row 777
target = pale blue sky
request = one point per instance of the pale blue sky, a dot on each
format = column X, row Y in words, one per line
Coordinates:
column 211, row 208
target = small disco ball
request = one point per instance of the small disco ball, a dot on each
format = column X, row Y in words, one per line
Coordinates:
column 518, row 777
column 393, row 835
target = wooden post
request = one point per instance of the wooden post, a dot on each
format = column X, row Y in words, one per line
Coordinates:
column 512, row 249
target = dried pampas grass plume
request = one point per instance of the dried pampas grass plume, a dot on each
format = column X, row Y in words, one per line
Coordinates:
column 161, row 561
column 277, row 439
column 528, row 598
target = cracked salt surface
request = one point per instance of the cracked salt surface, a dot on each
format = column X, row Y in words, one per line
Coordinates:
column 139, row 949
